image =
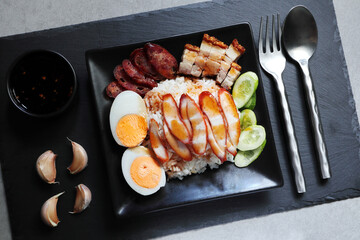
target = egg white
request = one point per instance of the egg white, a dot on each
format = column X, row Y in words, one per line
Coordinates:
column 127, row 102
column 127, row 159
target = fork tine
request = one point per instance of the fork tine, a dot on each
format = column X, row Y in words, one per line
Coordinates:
column 274, row 47
column 279, row 30
column 261, row 47
column 267, row 41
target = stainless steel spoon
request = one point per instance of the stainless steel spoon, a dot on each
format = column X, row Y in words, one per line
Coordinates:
column 300, row 39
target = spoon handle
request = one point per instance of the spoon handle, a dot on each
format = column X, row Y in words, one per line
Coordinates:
column 315, row 121
column 291, row 137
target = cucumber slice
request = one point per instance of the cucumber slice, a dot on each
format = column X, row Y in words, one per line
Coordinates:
column 247, row 118
column 251, row 138
column 244, row 87
column 251, row 103
column 244, row 158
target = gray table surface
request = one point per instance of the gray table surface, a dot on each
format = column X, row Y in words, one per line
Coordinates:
column 338, row 220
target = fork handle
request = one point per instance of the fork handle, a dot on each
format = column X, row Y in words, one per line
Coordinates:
column 315, row 121
column 291, row 137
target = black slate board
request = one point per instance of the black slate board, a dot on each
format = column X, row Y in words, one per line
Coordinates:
column 22, row 138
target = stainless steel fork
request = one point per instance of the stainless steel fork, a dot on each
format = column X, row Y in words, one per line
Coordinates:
column 273, row 62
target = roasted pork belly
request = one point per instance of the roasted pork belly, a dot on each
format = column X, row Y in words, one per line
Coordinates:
column 218, row 50
column 188, row 58
column 211, row 68
column 235, row 50
column 214, row 58
column 217, row 54
column 232, row 54
column 221, row 76
column 200, row 60
column 224, row 68
column 232, row 75
column 198, row 67
column 185, row 68
column 206, row 45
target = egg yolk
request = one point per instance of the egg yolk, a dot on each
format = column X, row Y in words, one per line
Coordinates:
column 145, row 172
column 131, row 130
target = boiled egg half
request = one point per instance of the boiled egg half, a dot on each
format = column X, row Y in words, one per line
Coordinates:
column 141, row 171
column 128, row 119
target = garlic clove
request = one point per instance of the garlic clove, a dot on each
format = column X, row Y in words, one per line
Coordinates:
column 83, row 198
column 80, row 158
column 45, row 166
column 48, row 211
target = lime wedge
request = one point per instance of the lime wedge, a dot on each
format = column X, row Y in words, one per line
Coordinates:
column 251, row 103
column 244, row 158
column 244, row 87
column 247, row 118
column 251, row 138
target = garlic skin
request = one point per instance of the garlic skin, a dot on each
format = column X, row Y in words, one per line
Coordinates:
column 83, row 198
column 80, row 158
column 48, row 211
column 45, row 166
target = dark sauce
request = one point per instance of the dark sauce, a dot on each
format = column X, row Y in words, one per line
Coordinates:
column 42, row 82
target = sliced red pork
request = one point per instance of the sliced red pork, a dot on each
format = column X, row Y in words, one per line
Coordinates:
column 231, row 116
column 156, row 142
column 173, row 119
column 197, row 120
column 180, row 148
column 211, row 109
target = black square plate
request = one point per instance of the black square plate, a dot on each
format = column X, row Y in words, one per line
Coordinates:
column 226, row 181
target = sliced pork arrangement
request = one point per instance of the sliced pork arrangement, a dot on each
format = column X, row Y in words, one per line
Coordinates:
column 212, row 59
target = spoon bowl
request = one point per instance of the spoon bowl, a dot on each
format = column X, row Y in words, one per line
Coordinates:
column 300, row 35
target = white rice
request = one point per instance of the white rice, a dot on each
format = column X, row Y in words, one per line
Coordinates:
column 176, row 167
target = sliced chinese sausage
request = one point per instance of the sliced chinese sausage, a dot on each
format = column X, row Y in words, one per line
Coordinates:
column 139, row 60
column 217, row 150
column 117, row 71
column 131, row 70
column 211, row 109
column 126, row 83
column 197, row 120
column 184, row 99
column 113, row 89
column 173, row 119
column 162, row 61
column 181, row 149
column 231, row 115
column 137, row 76
column 156, row 142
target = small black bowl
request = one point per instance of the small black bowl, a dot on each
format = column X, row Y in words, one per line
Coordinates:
column 41, row 83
